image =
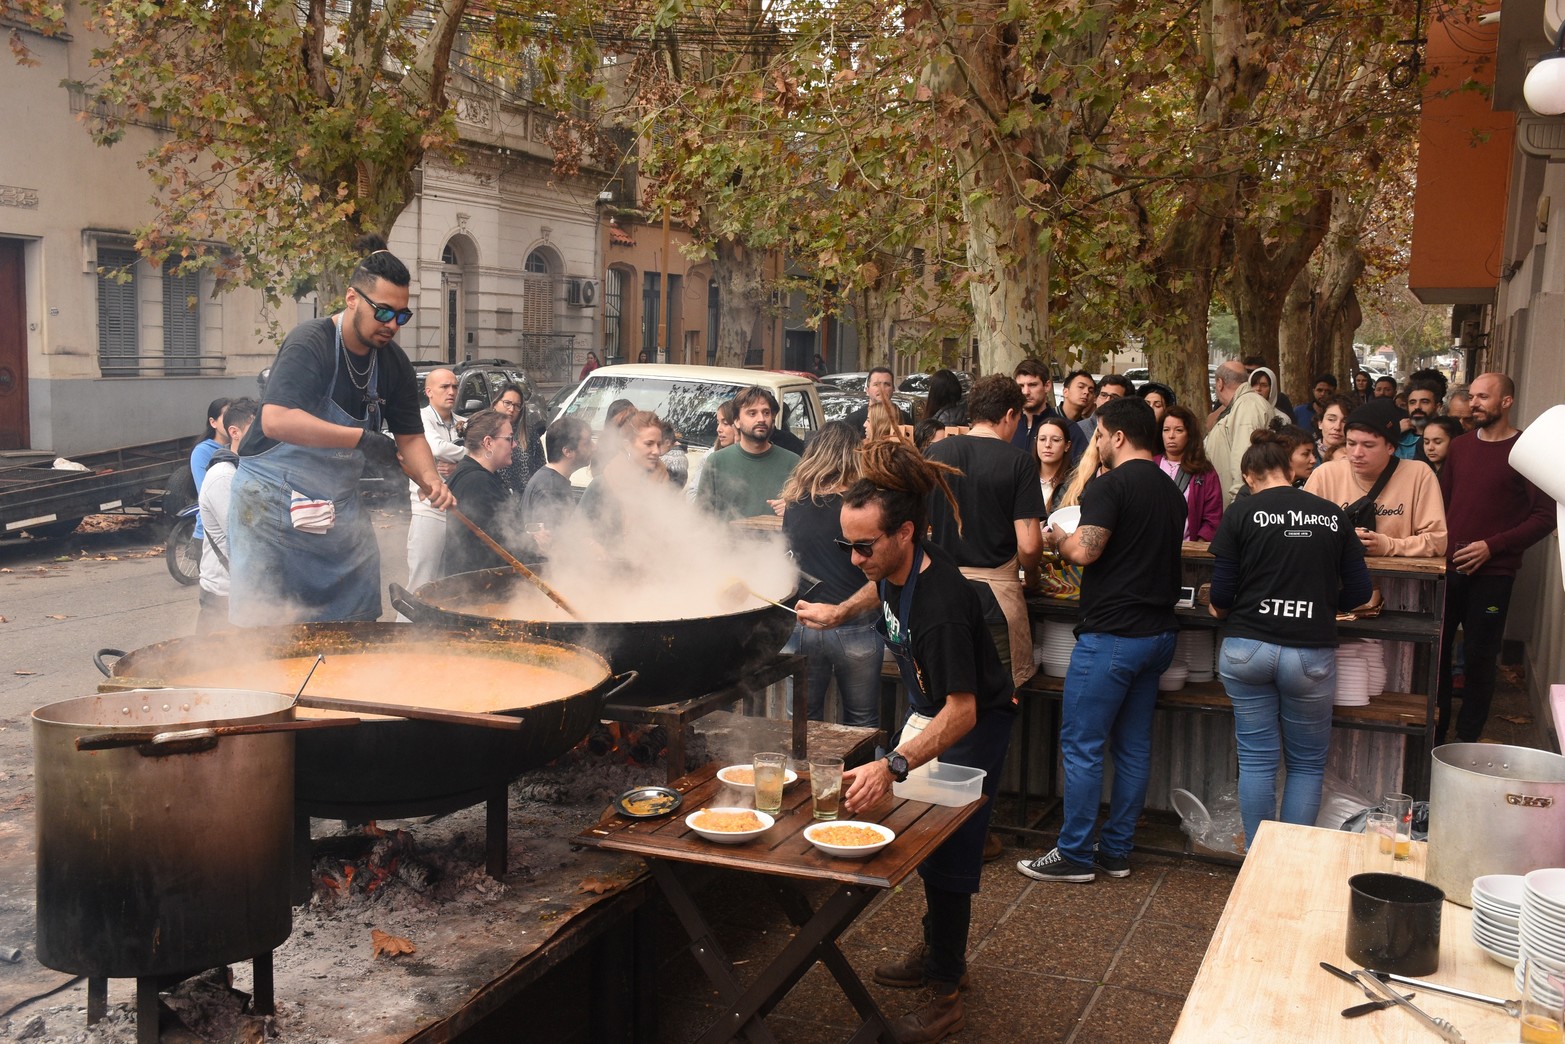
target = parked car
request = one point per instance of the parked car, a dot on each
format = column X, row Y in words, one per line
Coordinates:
column 918, row 383
column 478, row 384
column 849, row 380
column 688, row 397
column 838, row 404
column 1138, row 375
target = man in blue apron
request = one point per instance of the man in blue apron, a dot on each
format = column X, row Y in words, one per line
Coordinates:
column 301, row 545
column 961, row 709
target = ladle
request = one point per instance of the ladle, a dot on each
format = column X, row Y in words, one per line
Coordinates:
column 510, row 559
column 736, row 590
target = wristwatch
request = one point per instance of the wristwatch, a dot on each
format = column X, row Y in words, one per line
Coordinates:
column 898, row 766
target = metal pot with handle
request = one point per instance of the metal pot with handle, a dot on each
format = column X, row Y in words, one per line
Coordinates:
column 155, row 862
column 1493, row 809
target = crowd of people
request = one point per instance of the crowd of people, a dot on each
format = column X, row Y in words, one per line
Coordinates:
column 922, row 538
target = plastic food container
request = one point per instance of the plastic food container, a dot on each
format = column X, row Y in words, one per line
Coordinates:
column 942, row 784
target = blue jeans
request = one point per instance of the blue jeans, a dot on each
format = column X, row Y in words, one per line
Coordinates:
column 1110, row 693
column 1282, row 699
column 852, row 654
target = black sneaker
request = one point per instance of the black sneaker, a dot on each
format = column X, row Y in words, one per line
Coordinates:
column 1114, row 866
column 1055, row 867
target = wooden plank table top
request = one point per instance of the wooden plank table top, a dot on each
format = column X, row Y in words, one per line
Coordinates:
column 782, row 850
column 1261, row 979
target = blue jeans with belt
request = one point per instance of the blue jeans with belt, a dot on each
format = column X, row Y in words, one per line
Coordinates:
column 1110, row 694
column 1282, row 699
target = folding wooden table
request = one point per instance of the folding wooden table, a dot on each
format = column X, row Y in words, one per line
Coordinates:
column 783, row 858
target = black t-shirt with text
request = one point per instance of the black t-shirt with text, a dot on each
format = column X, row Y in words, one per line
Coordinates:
column 302, row 373
column 1132, row 587
column 951, row 643
column 1293, row 549
column 998, row 485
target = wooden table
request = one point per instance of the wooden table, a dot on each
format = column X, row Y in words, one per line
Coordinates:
column 1261, row 979
column 782, row 857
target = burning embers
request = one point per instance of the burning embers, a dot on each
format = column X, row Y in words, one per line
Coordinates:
column 366, row 862
column 640, row 744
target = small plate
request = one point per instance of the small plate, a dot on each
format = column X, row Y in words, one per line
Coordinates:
column 729, row 837
column 789, row 776
column 656, row 801
column 812, row 832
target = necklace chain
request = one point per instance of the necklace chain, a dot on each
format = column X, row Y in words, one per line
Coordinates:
column 353, row 374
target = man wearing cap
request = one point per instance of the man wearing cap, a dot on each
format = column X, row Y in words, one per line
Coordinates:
column 1495, row 515
column 1408, row 515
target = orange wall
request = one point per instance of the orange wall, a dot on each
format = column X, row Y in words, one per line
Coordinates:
column 1464, row 158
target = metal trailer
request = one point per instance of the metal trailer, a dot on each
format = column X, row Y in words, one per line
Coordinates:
column 38, row 499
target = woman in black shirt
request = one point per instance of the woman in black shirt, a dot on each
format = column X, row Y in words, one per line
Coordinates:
column 812, row 522
column 1286, row 559
column 482, row 494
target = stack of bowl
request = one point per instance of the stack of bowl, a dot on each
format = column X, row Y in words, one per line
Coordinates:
column 1361, row 672
column 1059, row 638
column 1542, row 922
column 1196, row 649
column 1497, row 908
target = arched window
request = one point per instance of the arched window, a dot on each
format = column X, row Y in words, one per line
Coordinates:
column 537, row 294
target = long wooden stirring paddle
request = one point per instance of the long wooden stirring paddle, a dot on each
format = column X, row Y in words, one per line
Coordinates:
column 510, row 559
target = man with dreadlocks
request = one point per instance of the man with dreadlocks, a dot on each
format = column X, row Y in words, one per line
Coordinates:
column 961, row 703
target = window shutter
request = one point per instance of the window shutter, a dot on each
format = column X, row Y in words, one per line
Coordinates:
column 118, row 325
column 537, row 304
column 182, row 322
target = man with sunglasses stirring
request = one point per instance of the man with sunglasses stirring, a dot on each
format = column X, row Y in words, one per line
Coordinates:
column 961, row 702
column 301, row 545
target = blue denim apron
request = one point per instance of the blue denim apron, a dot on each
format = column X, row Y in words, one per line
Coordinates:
column 280, row 574
column 957, row 865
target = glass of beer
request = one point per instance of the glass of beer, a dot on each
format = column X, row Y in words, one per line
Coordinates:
column 769, row 769
column 1543, row 1004
column 1401, row 806
column 826, row 785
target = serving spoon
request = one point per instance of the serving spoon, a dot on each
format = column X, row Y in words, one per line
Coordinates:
column 510, row 559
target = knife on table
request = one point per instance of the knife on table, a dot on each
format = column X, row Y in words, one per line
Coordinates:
column 1443, row 1027
column 1377, row 1004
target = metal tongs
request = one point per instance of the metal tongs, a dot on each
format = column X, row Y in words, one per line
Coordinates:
column 1447, row 1031
column 1513, row 1008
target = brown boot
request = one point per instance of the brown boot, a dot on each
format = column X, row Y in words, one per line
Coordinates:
column 908, row 973
column 936, row 1020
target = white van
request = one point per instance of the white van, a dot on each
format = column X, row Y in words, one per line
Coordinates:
column 688, row 396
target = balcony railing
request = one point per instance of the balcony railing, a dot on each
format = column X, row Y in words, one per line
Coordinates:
column 157, row 364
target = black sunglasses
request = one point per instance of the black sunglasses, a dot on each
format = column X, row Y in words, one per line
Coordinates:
column 864, row 548
column 384, row 313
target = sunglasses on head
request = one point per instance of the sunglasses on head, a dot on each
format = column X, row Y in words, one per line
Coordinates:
column 385, row 313
column 863, row 548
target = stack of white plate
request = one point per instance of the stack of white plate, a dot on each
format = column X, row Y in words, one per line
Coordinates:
column 1195, row 648
column 1542, row 921
column 1054, row 652
column 1361, row 672
column 1497, row 908
column 1173, row 679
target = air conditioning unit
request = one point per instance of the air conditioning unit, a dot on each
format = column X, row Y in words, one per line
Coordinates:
column 582, row 293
